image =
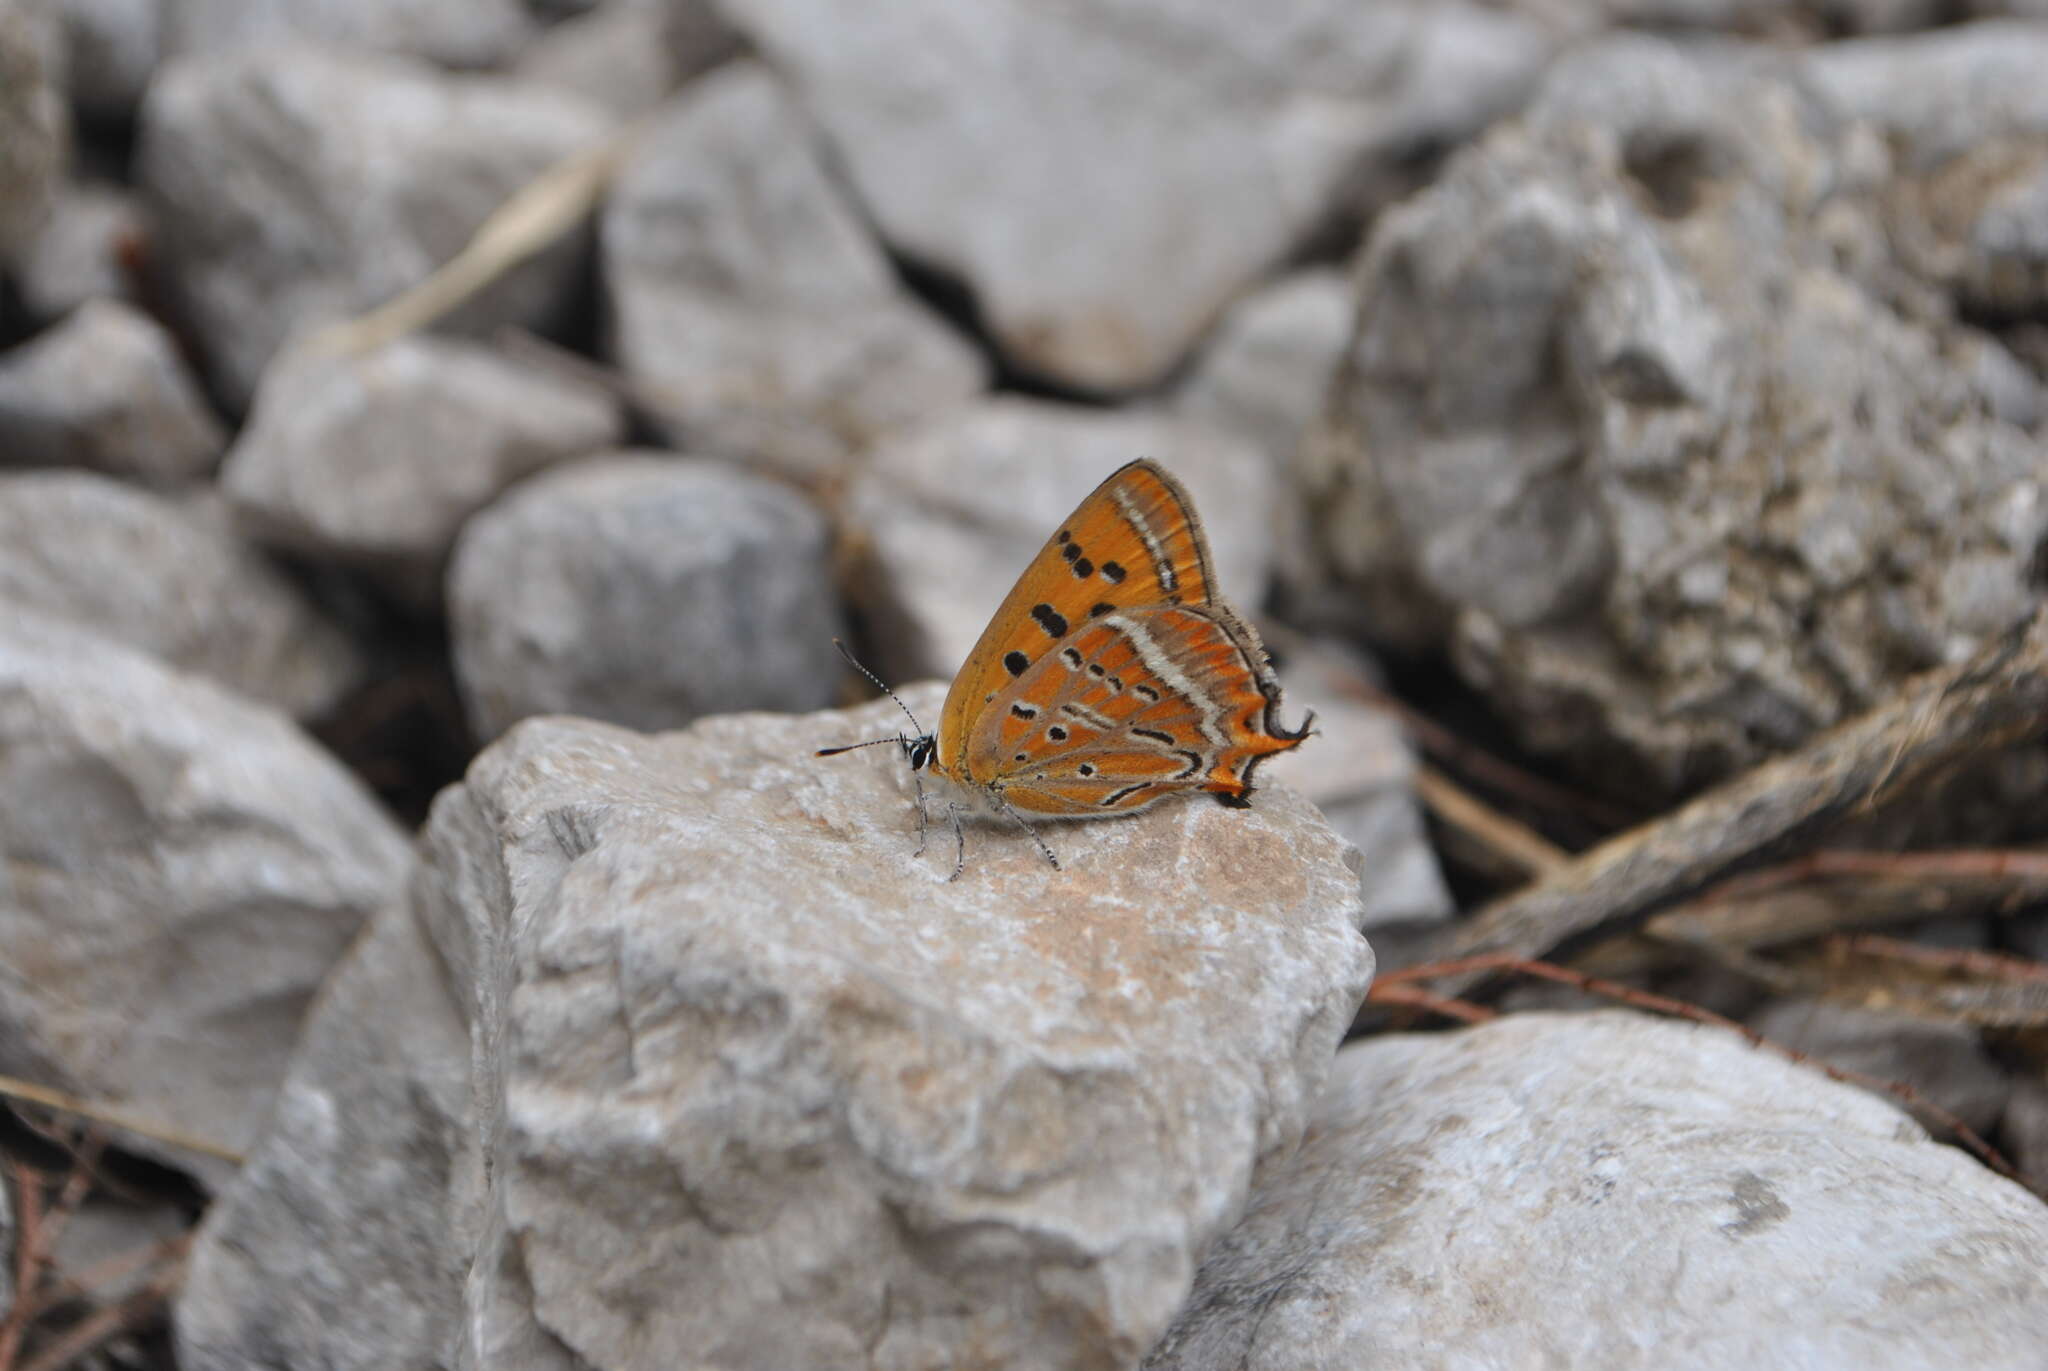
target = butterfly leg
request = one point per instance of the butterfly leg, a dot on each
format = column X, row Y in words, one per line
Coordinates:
column 1029, row 831
column 953, row 809
column 918, row 786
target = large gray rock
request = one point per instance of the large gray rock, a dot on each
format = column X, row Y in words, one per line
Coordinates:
column 1265, row 375
column 1621, row 426
column 172, row 578
column 947, row 515
column 33, row 131
column 454, row 33
column 643, row 589
column 747, row 296
column 626, row 57
column 107, row 389
column 1967, row 113
column 757, row 1081
column 383, row 170
column 341, row 1242
column 1106, row 179
column 112, row 49
column 1607, row 1190
column 95, row 232
column 181, row 867
column 375, row 461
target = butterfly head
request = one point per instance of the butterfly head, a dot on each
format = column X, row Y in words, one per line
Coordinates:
column 920, row 751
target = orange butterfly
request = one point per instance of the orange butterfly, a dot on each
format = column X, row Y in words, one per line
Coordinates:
column 1111, row 677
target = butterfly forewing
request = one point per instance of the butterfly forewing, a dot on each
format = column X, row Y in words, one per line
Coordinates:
column 1140, row 704
column 1134, row 542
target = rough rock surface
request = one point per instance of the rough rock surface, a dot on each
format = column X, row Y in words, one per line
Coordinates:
column 756, row 1080
column 106, row 389
column 112, row 48
column 454, row 33
column 1606, row 1190
column 1359, row 770
column 643, row 589
column 1622, row 423
column 392, row 167
column 79, row 252
column 33, row 130
column 1266, row 372
column 947, row 515
column 618, row 57
column 181, row 853
column 376, row 461
column 1004, row 150
column 1943, row 1061
column 172, row 578
column 748, row 298
column 341, row 1242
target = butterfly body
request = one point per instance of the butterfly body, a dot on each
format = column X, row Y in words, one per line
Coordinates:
column 1111, row 677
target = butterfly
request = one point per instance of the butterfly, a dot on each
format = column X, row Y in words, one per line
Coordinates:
column 1111, row 677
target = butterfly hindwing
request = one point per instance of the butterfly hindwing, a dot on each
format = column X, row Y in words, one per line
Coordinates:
column 1140, row 704
column 1133, row 542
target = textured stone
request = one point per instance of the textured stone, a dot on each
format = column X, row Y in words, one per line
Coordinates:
column 376, row 461
column 454, row 33
column 643, row 589
column 356, row 1197
column 392, row 166
column 1266, row 373
column 171, row 578
column 1624, row 424
column 747, row 296
column 619, row 57
column 1945, row 1062
column 1606, row 1190
column 181, row 868
column 79, row 253
column 1106, row 178
column 1359, row 770
column 34, row 135
column 106, row 389
column 758, row 1081
column 112, row 47
column 947, row 515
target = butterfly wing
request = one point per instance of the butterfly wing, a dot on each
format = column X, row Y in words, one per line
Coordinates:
column 1135, row 541
column 1131, row 707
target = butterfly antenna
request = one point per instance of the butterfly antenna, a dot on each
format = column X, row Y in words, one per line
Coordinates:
column 855, row 663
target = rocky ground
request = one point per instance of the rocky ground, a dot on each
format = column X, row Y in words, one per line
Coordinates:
column 428, row 940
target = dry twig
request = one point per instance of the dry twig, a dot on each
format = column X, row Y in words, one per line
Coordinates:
column 16, row 1088
column 1996, row 700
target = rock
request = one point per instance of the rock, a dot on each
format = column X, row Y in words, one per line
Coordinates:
column 376, row 461
column 619, row 57
column 82, row 252
column 181, row 868
column 453, row 33
column 1968, row 208
column 1607, row 1190
column 107, row 389
column 393, row 166
column 34, row 136
column 793, row 347
column 356, row 1197
column 105, row 1229
column 172, row 579
column 2024, row 1132
column 1106, row 183
column 1266, row 374
column 948, row 514
column 1945, row 1062
column 1359, row 770
column 644, row 589
column 114, row 47
column 757, row 1081
column 1618, row 429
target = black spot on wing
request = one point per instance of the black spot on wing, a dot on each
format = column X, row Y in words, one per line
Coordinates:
column 1114, row 572
column 1083, row 568
column 1194, row 763
column 1051, row 620
column 1070, row 551
column 1155, row 735
column 1116, row 795
column 1230, row 801
column 1024, row 711
column 1147, row 691
column 1085, row 769
column 1056, row 733
column 1065, row 537
column 1072, row 656
column 1097, row 610
column 1015, row 662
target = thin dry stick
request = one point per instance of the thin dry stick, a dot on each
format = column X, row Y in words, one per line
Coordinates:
column 1415, row 997
column 1665, row 1004
column 116, row 1319
column 538, row 214
column 16, row 1088
column 107, row 1270
column 28, row 1256
column 1970, row 960
column 1518, row 844
column 1996, row 700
